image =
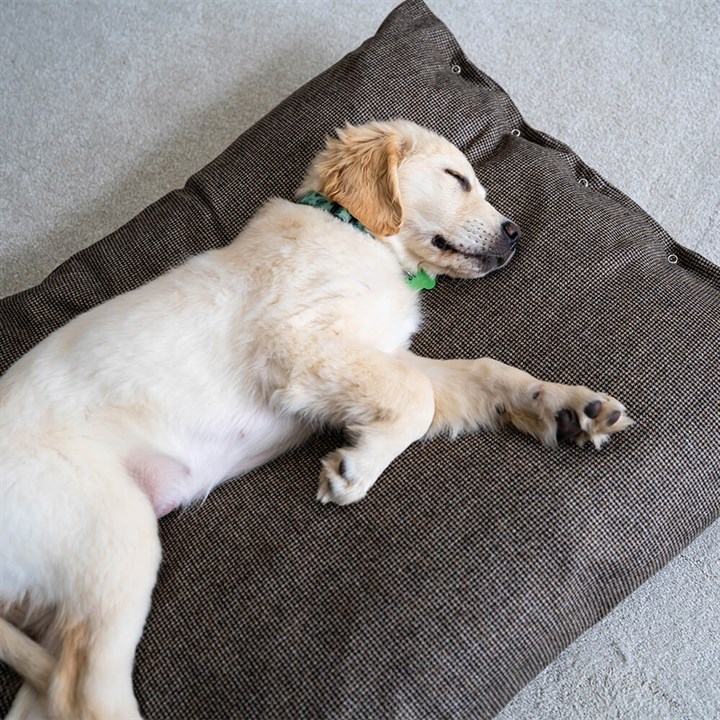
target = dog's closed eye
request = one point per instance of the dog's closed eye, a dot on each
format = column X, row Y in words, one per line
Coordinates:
column 464, row 182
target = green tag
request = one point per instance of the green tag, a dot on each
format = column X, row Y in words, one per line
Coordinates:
column 421, row 281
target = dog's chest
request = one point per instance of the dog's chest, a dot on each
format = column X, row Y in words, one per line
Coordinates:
column 384, row 318
column 322, row 277
column 374, row 307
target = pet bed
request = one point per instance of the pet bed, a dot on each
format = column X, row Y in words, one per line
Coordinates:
column 472, row 563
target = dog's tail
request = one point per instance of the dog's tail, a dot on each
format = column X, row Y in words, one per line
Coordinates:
column 33, row 662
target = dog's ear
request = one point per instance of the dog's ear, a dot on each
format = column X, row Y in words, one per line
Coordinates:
column 359, row 170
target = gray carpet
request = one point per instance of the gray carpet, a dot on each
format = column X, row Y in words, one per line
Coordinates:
column 106, row 106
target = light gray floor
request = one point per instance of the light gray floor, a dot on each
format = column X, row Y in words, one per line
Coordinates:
column 108, row 104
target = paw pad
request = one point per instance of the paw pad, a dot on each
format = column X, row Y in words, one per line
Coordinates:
column 568, row 427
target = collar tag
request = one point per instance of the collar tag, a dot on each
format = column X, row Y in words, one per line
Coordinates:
column 421, row 281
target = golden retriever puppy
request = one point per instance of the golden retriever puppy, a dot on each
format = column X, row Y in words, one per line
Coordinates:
column 148, row 401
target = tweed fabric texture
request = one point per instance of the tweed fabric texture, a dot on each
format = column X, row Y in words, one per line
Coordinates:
column 473, row 562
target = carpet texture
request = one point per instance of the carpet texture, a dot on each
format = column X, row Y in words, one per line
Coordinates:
column 690, row 694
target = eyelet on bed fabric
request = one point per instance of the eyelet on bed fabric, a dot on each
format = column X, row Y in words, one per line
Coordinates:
column 672, row 259
column 515, row 132
column 584, row 182
column 456, row 69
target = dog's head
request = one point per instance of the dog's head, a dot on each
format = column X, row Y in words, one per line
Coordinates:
column 416, row 191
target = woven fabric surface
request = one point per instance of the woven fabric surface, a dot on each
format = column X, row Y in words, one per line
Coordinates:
column 473, row 562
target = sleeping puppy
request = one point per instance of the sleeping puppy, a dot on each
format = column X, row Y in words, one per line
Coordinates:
column 148, row 401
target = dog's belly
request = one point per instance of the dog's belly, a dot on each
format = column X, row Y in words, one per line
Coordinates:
column 188, row 462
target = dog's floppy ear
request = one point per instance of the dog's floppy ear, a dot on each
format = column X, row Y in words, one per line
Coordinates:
column 359, row 170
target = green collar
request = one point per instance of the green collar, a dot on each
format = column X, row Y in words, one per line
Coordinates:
column 318, row 200
column 419, row 281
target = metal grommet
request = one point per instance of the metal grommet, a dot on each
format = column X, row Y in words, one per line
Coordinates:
column 456, row 69
column 515, row 132
column 672, row 259
column 583, row 182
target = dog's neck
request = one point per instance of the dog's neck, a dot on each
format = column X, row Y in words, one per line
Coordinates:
column 418, row 280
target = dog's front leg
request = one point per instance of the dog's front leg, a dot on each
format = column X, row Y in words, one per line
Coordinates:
column 471, row 394
column 383, row 403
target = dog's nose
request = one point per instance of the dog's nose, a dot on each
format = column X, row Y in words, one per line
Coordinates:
column 511, row 232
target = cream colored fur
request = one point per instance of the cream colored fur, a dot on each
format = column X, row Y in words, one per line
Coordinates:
column 148, row 401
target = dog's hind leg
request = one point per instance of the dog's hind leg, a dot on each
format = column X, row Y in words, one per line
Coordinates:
column 94, row 674
column 94, row 558
column 485, row 393
column 383, row 403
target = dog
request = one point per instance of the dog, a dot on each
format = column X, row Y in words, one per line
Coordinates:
column 148, row 401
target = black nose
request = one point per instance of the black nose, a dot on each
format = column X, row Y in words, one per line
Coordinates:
column 511, row 231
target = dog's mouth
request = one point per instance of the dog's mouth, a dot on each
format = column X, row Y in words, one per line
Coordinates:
column 480, row 262
column 487, row 263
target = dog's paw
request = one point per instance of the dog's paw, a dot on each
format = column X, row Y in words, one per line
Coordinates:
column 338, row 483
column 556, row 413
column 587, row 415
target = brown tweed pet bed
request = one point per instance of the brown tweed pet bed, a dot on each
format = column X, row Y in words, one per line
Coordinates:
column 473, row 563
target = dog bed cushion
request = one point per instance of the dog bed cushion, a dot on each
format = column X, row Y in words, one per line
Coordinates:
column 474, row 562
